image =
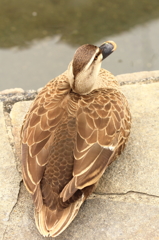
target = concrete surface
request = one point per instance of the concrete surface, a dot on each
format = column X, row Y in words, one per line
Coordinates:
column 9, row 177
column 125, row 205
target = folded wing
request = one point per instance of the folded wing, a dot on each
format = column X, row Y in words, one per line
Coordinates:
column 102, row 129
column 37, row 134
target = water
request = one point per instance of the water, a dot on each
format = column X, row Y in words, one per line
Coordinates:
column 38, row 40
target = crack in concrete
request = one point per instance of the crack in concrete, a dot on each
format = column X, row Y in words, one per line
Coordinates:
column 4, row 232
column 20, row 183
column 130, row 196
column 14, row 206
column 126, row 193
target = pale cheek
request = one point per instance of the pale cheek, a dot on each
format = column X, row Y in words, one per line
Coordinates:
column 97, row 68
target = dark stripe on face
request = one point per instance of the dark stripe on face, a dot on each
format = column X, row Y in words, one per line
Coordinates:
column 82, row 57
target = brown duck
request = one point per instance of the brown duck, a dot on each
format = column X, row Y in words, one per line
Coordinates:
column 75, row 128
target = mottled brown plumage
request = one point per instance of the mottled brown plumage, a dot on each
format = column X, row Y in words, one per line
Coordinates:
column 75, row 128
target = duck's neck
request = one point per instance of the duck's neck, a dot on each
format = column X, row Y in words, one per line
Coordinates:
column 85, row 81
column 84, row 84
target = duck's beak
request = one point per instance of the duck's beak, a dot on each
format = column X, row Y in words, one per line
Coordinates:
column 107, row 48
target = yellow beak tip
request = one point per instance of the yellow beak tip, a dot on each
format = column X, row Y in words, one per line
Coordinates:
column 113, row 43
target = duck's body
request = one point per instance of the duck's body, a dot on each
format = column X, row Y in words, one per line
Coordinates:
column 69, row 137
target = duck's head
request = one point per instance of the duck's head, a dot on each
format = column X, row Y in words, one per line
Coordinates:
column 84, row 68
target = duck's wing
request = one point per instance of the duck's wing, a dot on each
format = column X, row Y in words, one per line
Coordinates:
column 37, row 134
column 103, row 127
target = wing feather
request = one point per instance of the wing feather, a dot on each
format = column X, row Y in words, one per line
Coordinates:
column 101, row 131
column 37, row 134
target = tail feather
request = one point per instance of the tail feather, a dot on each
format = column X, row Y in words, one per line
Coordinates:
column 53, row 222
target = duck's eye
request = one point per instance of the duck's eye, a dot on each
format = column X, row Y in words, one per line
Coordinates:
column 96, row 57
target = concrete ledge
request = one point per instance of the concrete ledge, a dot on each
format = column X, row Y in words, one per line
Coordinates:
column 138, row 77
column 125, row 205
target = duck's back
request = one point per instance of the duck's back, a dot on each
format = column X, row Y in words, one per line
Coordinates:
column 68, row 140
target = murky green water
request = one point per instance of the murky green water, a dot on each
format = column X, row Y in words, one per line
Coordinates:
column 38, row 38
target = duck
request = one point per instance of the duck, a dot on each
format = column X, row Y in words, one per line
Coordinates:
column 75, row 128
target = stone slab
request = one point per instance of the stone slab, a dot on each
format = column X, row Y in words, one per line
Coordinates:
column 137, row 169
column 22, row 224
column 17, row 115
column 128, row 217
column 11, row 91
column 137, row 76
column 114, row 220
column 9, row 177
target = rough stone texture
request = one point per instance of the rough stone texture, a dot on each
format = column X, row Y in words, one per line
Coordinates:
column 138, row 76
column 11, row 91
column 22, row 224
column 125, row 205
column 9, row 177
column 17, row 116
column 119, row 217
column 105, row 219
